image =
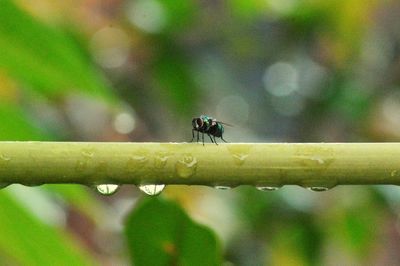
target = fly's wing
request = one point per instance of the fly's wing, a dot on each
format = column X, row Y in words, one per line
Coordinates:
column 225, row 124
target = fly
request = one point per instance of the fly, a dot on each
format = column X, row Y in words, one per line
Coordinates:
column 210, row 126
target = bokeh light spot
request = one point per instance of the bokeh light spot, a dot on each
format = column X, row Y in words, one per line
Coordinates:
column 148, row 15
column 110, row 47
column 124, row 123
column 281, row 79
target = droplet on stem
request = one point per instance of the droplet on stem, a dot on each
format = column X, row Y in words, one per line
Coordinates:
column 4, row 158
column 186, row 167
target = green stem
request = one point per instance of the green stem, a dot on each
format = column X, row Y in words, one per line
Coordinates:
column 260, row 164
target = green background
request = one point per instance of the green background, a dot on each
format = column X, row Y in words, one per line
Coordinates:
column 279, row 71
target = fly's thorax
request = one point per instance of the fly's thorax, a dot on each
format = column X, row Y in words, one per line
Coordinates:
column 205, row 117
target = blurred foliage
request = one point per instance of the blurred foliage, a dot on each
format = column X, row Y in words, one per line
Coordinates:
column 15, row 124
column 42, row 57
column 159, row 232
column 172, row 73
column 308, row 70
column 27, row 241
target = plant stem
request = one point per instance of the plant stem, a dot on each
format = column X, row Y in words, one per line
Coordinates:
column 310, row 165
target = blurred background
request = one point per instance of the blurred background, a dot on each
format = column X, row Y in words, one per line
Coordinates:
column 279, row 70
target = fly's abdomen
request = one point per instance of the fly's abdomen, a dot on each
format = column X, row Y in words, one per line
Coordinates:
column 217, row 130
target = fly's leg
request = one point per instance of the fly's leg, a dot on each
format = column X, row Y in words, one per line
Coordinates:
column 215, row 141
column 198, row 137
column 202, row 136
column 192, row 135
column 211, row 138
column 223, row 139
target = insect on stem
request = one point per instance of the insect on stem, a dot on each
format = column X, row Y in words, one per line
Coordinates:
column 210, row 126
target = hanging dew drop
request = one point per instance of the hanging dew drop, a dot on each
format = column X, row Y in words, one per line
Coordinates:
column 222, row 187
column 107, row 189
column 318, row 189
column 267, row 188
column 152, row 190
column 318, row 186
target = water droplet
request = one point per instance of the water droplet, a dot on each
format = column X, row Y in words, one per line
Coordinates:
column 317, row 159
column 152, row 190
column 240, row 158
column 319, row 185
column 318, row 189
column 187, row 166
column 222, row 187
column 239, row 153
column 139, row 158
column 160, row 160
column 310, row 161
column 4, row 158
column 267, row 188
column 107, row 189
column 88, row 152
column 136, row 163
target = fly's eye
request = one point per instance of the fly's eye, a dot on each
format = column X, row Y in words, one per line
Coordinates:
column 199, row 123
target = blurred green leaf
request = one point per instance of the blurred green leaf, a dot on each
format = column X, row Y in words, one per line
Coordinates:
column 180, row 14
column 360, row 228
column 26, row 241
column 355, row 226
column 15, row 125
column 353, row 101
column 263, row 207
column 44, row 58
column 174, row 80
column 79, row 197
column 307, row 19
column 159, row 232
column 248, row 10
